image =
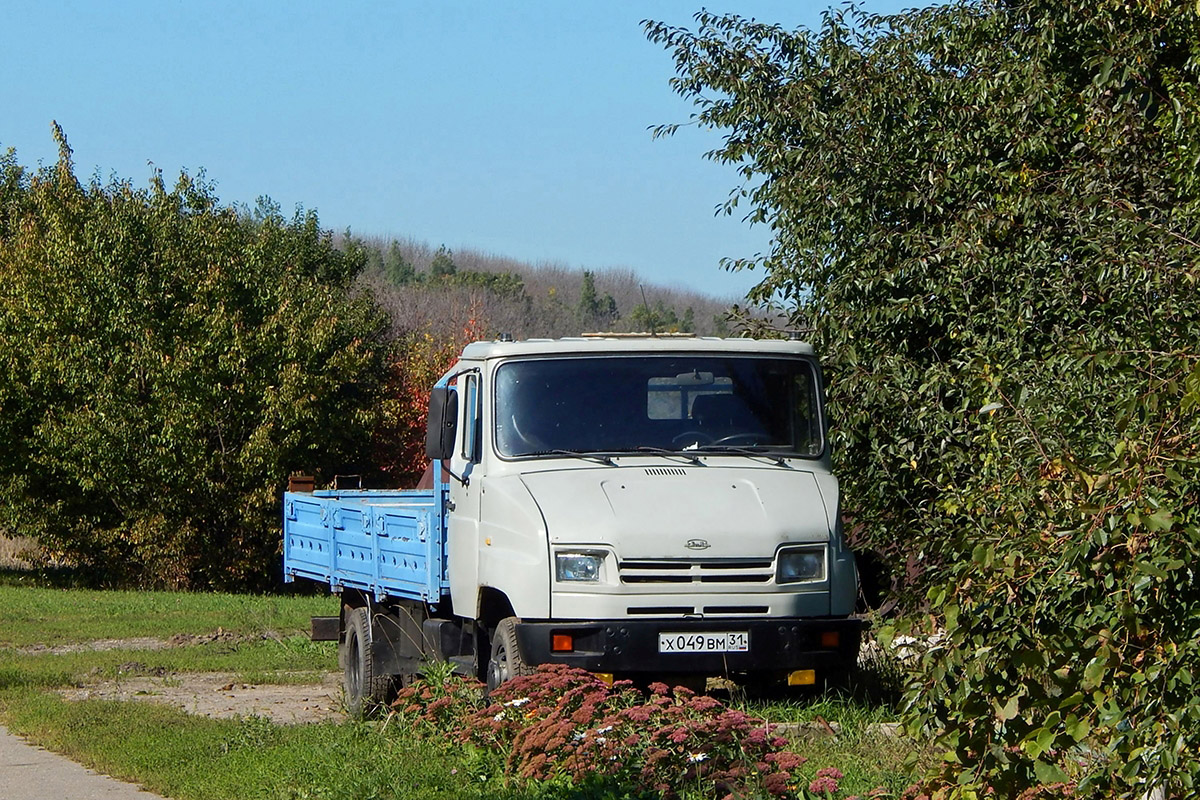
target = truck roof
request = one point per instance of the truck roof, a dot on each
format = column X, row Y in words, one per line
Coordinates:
column 625, row 343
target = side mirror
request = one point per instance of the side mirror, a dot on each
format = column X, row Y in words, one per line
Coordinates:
column 442, row 423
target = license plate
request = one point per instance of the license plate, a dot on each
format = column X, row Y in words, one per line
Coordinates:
column 727, row 642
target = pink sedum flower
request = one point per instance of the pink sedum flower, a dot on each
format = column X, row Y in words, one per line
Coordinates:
column 825, row 785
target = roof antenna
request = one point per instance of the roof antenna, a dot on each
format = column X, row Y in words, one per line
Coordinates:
column 649, row 313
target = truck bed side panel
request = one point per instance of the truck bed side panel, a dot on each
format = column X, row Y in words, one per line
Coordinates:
column 388, row 543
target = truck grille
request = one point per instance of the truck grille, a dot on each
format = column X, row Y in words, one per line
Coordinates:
column 745, row 571
column 690, row 611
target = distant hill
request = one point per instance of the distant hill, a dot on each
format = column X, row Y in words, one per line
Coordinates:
column 437, row 290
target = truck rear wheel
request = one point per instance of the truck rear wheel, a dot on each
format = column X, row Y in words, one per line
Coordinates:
column 366, row 690
column 505, row 661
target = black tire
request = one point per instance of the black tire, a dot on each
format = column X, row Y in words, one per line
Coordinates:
column 505, row 662
column 366, row 690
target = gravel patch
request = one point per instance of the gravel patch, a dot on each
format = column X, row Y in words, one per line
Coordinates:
column 221, row 695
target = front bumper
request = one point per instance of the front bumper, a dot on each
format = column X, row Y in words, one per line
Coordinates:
column 632, row 646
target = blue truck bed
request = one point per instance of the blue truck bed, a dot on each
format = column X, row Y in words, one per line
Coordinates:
column 389, row 543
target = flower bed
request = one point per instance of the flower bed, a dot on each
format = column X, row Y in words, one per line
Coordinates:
column 565, row 723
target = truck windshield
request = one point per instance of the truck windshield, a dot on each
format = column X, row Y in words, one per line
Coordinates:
column 623, row 403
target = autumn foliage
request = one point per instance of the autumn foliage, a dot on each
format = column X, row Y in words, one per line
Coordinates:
column 421, row 357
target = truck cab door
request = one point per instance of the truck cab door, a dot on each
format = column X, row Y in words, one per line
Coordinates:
column 462, row 519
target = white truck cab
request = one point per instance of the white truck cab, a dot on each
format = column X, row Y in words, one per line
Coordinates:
column 649, row 504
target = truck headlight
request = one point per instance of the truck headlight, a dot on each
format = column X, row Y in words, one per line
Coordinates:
column 801, row 564
column 578, row 567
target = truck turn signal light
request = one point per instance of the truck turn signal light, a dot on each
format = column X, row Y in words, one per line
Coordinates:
column 802, row 677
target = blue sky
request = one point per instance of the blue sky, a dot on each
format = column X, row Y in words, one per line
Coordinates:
column 518, row 129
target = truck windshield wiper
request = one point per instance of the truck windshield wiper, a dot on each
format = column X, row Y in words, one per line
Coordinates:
column 598, row 457
column 742, row 451
column 662, row 451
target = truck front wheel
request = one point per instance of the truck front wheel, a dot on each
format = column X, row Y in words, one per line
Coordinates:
column 365, row 689
column 505, row 661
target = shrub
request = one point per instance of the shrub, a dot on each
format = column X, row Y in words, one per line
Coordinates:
column 165, row 363
column 565, row 723
column 988, row 216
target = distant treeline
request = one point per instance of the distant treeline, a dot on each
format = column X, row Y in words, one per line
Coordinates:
column 436, row 291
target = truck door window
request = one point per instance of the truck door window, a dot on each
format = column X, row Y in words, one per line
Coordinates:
column 469, row 437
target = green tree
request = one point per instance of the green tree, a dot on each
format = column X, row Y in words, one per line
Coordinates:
column 396, row 267
column 505, row 285
column 720, row 324
column 594, row 310
column 589, row 301
column 658, row 318
column 443, row 263
column 608, row 309
column 988, row 214
column 167, row 362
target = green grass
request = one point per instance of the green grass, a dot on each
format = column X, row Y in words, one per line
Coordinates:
column 38, row 615
column 257, row 659
column 195, row 758
column 866, row 755
column 289, row 677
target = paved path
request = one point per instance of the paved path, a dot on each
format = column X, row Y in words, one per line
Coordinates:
column 28, row 772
